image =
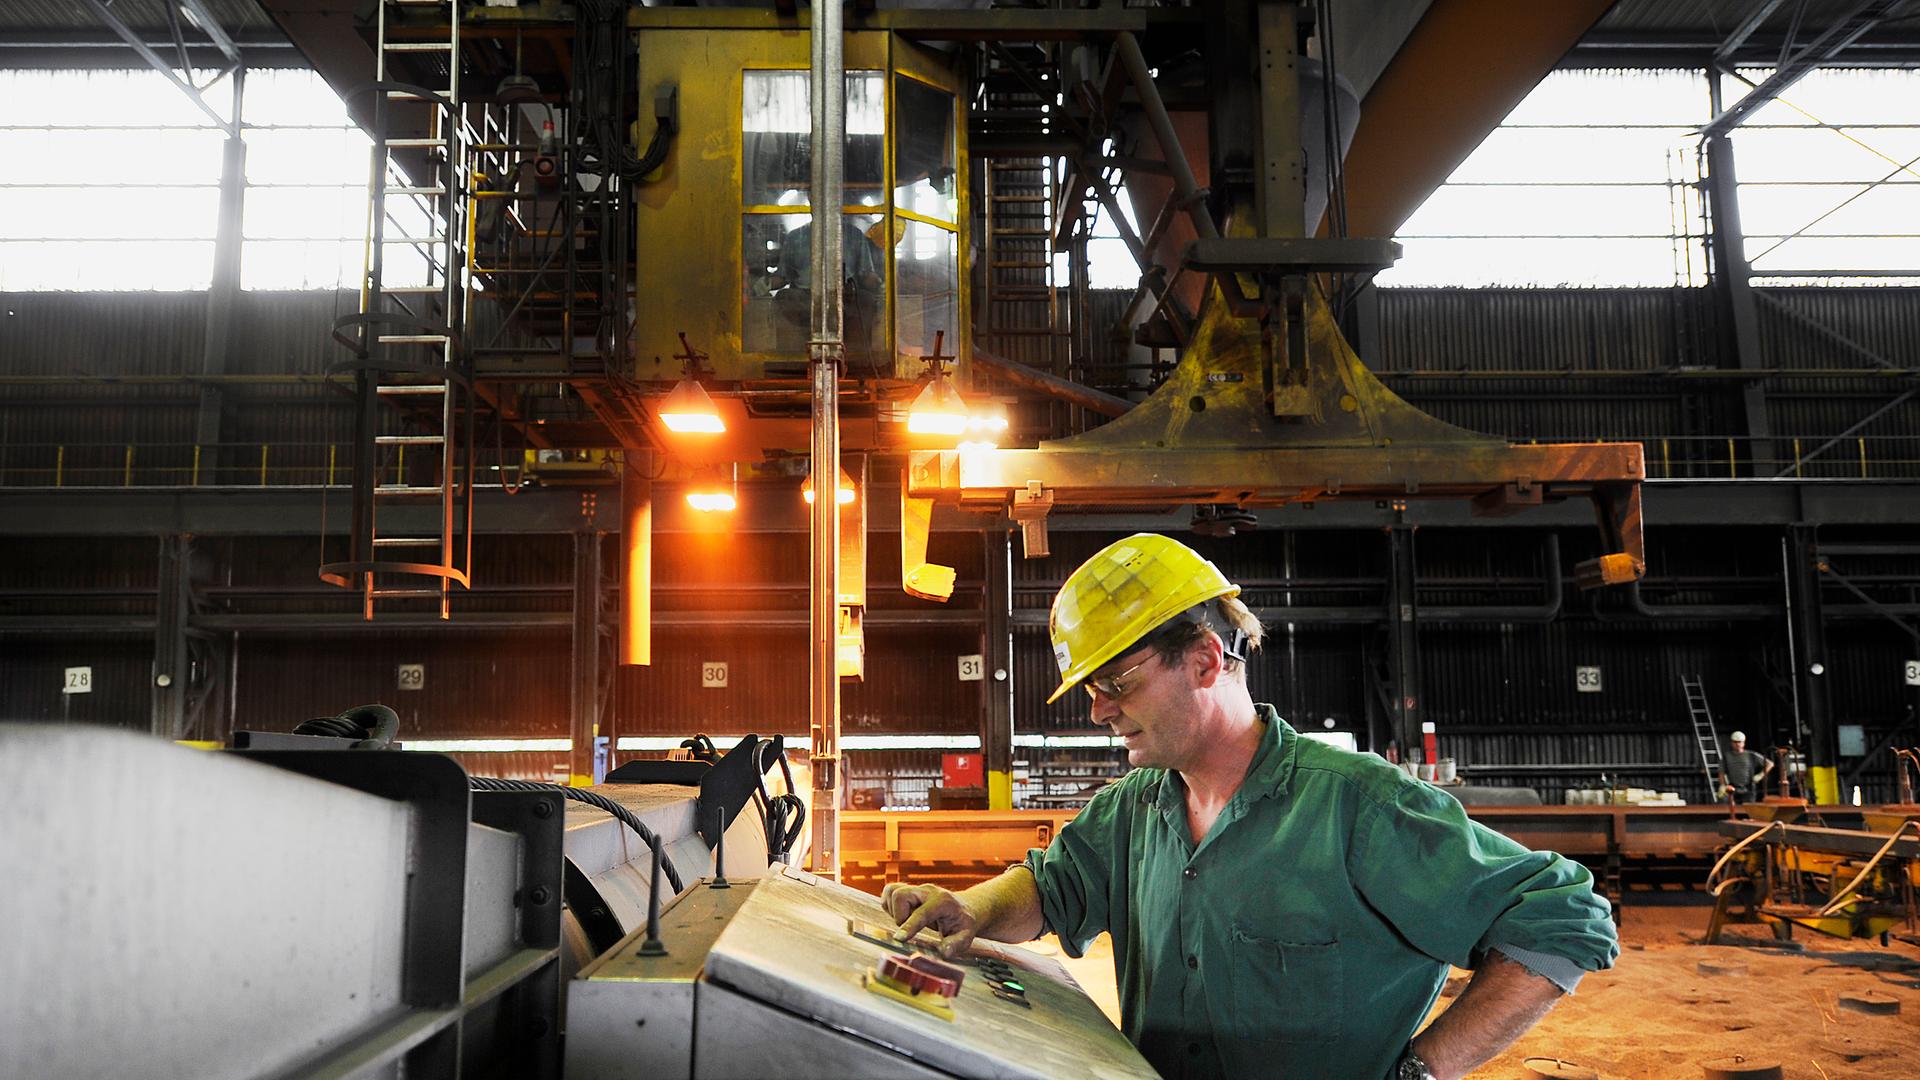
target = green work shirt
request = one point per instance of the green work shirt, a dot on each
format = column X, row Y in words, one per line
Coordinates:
column 1309, row 933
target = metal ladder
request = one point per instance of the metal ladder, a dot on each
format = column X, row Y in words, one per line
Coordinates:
column 1022, row 313
column 412, row 376
column 1712, row 763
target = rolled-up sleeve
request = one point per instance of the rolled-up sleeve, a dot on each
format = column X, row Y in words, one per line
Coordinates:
column 1455, row 889
column 1074, row 873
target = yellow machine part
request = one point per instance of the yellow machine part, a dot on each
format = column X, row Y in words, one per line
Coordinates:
column 689, row 220
column 560, row 467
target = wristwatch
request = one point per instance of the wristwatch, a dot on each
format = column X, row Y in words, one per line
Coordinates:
column 1411, row 1067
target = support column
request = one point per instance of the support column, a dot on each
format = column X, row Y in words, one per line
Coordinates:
column 171, row 662
column 225, row 291
column 1809, row 646
column 826, row 356
column 636, row 569
column 584, row 697
column 996, row 731
column 1280, row 194
column 1406, row 706
column 1733, row 295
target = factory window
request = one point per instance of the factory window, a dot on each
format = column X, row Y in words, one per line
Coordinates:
column 776, row 230
column 926, row 302
column 1584, row 183
column 926, row 259
column 306, row 208
column 1593, row 180
column 775, row 117
column 778, row 262
column 1830, row 179
column 112, row 182
column 923, row 164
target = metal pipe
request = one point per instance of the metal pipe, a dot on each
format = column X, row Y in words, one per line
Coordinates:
column 826, row 353
column 1184, row 185
column 1096, row 401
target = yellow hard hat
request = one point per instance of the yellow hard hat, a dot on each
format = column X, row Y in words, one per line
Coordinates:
column 1122, row 594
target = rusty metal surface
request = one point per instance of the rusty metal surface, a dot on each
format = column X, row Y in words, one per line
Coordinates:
column 960, row 847
column 1241, row 421
column 1625, row 831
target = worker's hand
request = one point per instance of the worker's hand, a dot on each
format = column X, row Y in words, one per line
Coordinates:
column 919, row 907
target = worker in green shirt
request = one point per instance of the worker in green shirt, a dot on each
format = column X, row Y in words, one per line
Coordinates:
column 1279, row 907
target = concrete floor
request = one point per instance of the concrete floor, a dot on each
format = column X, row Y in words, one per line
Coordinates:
column 1657, row 1015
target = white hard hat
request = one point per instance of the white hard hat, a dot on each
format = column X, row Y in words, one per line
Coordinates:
column 1738, row 736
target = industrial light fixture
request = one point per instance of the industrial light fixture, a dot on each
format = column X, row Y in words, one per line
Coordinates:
column 938, row 409
column 985, row 428
column 847, row 491
column 688, row 410
column 716, row 495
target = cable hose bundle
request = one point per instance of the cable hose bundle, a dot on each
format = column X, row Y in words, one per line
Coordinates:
column 783, row 815
column 374, row 726
column 782, row 833
column 602, row 147
column 581, row 795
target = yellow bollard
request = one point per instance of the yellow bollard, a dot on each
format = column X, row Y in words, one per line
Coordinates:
column 1796, row 459
column 196, row 465
column 59, row 466
column 263, row 464
column 1863, row 457
column 1732, row 469
column 126, row 476
column 1666, row 463
column 332, row 451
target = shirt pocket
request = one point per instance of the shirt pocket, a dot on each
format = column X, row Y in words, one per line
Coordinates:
column 1286, row 991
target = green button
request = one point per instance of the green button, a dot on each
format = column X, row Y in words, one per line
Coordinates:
column 1009, row 984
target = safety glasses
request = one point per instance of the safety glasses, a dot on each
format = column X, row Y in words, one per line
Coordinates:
column 1114, row 687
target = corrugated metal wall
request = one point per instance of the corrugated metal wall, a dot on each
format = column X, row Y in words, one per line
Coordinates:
column 160, row 335
column 478, row 684
column 1658, row 331
column 32, row 678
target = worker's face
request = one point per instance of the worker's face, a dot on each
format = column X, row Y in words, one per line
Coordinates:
column 1153, row 714
column 1739, row 745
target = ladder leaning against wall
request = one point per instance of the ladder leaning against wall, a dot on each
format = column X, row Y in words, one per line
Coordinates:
column 1713, row 765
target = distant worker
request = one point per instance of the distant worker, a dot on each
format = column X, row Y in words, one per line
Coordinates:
column 1278, row 906
column 863, row 300
column 1746, row 770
